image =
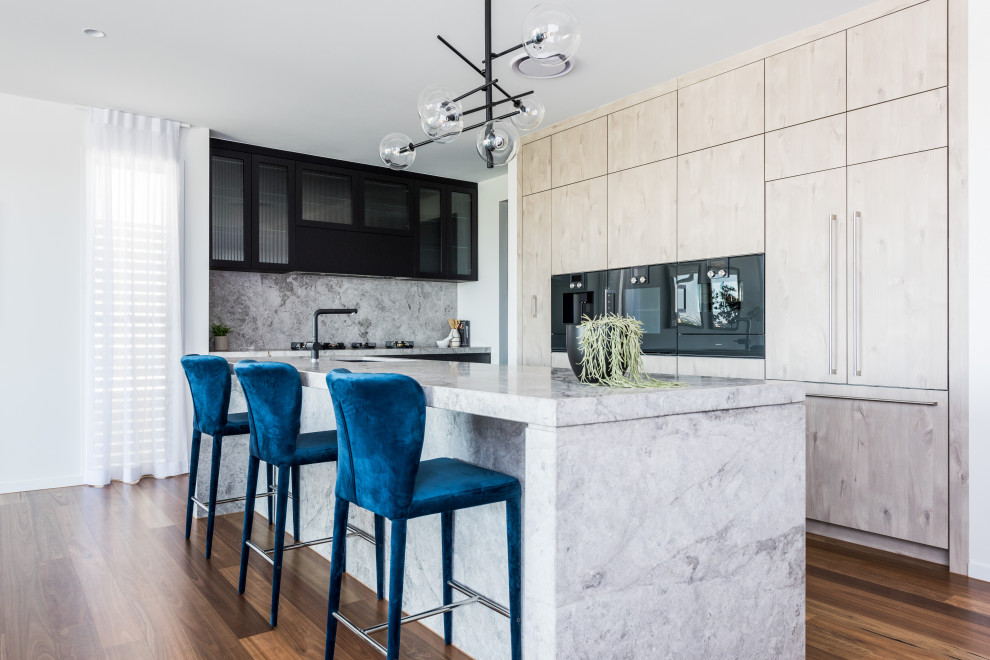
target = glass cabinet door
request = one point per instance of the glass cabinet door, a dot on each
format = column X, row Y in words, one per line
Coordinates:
column 325, row 196
column 229, row 208
column 430, row 231
column 273, row 179
column 386, row 205
column 461, row 246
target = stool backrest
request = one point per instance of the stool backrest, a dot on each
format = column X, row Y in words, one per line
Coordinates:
column 209, row 383
column 273, row 391
column 381, row 419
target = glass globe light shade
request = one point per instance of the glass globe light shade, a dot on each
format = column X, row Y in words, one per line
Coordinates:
column 500, row 140
column 531, row 111
column 431, row 98
column 395, row 152
column 551, row 34
column 443, row 121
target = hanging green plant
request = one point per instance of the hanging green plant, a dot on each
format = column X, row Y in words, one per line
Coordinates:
column 612, row 354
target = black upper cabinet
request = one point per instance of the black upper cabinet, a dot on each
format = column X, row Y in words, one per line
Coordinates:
column 274, row 211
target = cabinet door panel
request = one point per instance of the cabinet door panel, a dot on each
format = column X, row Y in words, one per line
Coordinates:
column 642, row 134
column 579, row 153
column 899, row 54
column 898, row 271
column 535, row 285
column 811, row 147
column 915, row 123
column 461, row 255
column 721, row 367
column 642, row 215
column 230, row 209
column 535, row 163
column 274, row 199
column 806, row 274
column 808, row 82
column 720, row 201
column 721, row 109
column 580, row 227
column 880, row 467
column 430, row 231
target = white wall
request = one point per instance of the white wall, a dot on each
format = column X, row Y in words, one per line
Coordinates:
column 41, row 293
column 478, row 301
column 979, row 308
column 41, row 285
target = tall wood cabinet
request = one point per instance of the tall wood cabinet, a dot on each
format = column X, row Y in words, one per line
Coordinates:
column 535, row 280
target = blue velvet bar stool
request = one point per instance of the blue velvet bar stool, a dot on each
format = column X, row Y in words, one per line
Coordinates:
column 209, row 384
column 273, row 391
column 381, row 420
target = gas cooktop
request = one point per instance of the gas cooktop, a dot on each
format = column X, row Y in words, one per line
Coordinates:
column 339, row 345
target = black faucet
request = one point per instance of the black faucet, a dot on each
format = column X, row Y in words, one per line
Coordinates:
column 315, row 352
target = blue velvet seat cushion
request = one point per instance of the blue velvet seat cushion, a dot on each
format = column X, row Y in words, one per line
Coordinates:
column 317, row 447
column 237, row 424
column 446, row 484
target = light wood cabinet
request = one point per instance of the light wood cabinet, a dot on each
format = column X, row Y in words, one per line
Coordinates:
column 806, row 83
column 535, row 163
column 535, row 280
column 644, row 133
column 881, row 467
column 579, row 153
column 899, row 54
column 720, row 367
column 642, row 215
column 720, row 201
column 898, row 271
column 579, row 229
column 810, row 147
column 721, row 109
column 904, row 126
column 806, row 278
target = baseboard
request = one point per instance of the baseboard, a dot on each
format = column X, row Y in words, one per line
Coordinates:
column 41, row 484
column 979, row 571
column 880, row 542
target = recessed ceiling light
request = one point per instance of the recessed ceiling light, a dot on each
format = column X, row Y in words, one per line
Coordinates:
column 96, row 34
column 524, row 66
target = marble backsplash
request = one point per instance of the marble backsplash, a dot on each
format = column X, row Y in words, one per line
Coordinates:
column 270, row 310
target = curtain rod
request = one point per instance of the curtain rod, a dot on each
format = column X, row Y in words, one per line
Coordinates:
column 87, row 108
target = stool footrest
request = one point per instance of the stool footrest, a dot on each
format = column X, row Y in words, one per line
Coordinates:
column 483, row 600
column 227, row 500
column 267, row 554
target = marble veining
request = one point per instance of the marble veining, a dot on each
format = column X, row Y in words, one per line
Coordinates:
column 271, row 310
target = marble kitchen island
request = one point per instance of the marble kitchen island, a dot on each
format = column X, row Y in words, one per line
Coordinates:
column 656, row 523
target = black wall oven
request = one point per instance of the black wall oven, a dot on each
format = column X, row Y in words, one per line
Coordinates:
column 711, row 307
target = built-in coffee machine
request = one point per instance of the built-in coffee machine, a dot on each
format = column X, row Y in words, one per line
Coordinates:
column 573, row 297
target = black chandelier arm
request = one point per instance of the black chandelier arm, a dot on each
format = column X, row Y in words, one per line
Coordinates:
column 413, row 147
column 474, row 91
column 513, row 99
column 471, row 64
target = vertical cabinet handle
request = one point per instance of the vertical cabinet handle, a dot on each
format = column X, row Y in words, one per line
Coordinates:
column 856, row 268
column 534, row 307
column 832, row 219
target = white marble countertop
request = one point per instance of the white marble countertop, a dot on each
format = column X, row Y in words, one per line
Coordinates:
column 354, row 352
column 550, row 397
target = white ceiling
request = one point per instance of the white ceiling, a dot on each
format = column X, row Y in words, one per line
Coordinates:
column 331, row 78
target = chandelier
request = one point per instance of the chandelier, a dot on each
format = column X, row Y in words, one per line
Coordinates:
column 550, row 37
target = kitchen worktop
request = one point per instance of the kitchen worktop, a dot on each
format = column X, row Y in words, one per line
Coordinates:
column 380, row 351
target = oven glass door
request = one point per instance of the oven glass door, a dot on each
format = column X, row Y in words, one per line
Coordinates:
column 645, row 294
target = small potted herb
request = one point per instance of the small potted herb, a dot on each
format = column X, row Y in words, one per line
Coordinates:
column 220, row 340
column 607, row 350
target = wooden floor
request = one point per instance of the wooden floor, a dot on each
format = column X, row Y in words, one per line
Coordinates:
column 106, row 573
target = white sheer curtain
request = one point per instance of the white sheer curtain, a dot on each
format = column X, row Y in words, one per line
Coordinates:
column 135, row 401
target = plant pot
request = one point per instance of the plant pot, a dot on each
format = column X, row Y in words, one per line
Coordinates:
column 221, row 344
column 575, row 355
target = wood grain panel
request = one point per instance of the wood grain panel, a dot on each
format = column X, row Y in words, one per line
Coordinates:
column 880, row 467
column 804, row 273
column 642, row 215
column 579, row 240
column 721, row 109
column 535, row 166
column 535, row 280
column 720, row 201
column 721, row 367
column 913, row 123
column 897, row 55
column 579, row 153
column 643, row 133
column 898, row 304
column 807, row 82
column 811, row 147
